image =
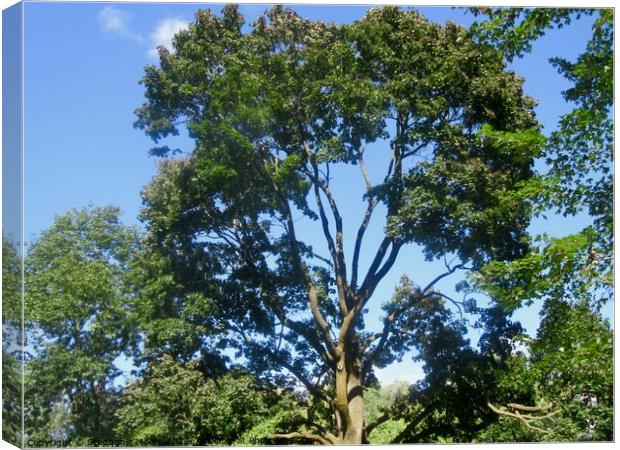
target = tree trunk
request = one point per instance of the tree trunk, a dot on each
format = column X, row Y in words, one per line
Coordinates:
column 350, row 400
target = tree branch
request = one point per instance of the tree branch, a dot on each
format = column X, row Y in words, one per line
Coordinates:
column 376, row 274
column 320, row 320
column 301, row 435
column 284, row 363
column 335, row 250
column 443, row 275
column 412, row 425
column 378, row 421
column 312, row 293
column 303, row 330
column 526, row 419
column 362, row 229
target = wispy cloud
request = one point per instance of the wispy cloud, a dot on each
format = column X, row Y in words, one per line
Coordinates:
column 116, row 22
column 164, row 32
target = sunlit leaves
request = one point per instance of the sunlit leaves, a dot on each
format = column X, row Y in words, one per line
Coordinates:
column 77, row 301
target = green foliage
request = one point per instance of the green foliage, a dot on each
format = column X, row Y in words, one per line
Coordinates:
column 285, row 414
column 76, row 303
column 450, row 403
column 174, row 404
column 377, row 401
column 558, row 268
column 569, row 366
column 579, row 155
column 513, row 30
column 11, row 344
column 570, row 362
column 386, row 432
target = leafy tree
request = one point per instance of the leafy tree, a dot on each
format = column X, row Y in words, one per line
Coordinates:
column 271, row 111
column 11, row 340
column 579, row 155
column 175, row 404
column 451, row 403
column 564, row 390
column 76, row 303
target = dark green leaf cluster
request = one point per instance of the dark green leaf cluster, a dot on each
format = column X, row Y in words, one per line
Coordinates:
column 174, row 404
column 568, row 367
column 579, row 155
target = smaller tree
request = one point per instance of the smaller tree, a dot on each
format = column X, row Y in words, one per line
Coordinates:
column 174, row 404
column 564, row 390
column 76, row 304
column 450, row 403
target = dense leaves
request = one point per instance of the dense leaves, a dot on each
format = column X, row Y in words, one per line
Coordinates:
column 569, row 370
column 566, row 382
column 176, row 405
column 12, row 350
column 76, row 303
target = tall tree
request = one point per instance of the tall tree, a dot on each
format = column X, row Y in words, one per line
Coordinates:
column 76, row 303
column 271, row 111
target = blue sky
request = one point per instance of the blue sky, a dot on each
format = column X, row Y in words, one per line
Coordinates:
column 82, row 64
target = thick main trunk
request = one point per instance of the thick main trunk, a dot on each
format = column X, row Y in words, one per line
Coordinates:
column 350, row 400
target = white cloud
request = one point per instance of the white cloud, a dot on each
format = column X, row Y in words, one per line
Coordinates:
column 114, row 21
column 164, row 32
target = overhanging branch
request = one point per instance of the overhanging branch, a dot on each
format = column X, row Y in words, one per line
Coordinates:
column 529, row 418
column 303, row 436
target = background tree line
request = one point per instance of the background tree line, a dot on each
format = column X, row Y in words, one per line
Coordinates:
column 240, row 332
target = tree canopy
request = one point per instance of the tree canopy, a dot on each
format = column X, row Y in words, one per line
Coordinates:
column 271, row 110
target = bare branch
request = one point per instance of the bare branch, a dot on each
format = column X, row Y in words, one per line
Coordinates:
column 369, row 340
column 376, row 274
column 336, row 250
column 451, row 300
column 312, row 293
column 320, row 320
column 323, row 259
column 310, row 436
column 412, row 425
column 526, row 419
column 360, row 159
column 282, row 362
column 530, row 408
column 303, row 330
column 381, row 251
column 443, row 275
column 362, row 229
